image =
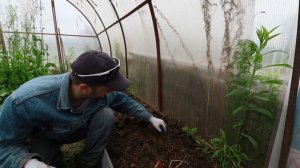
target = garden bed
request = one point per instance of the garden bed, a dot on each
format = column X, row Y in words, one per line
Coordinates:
column 137, row 144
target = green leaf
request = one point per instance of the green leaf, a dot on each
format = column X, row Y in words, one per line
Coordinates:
column 275, row 35
column 279, row 65
column 251, row 140
column 262, row 92
column 276, row 51
column 50, row 65
column 273, row 29
column 223, row 134
column 239, row 124
column 258, row 58
column 238, row 109
column 259, row 35
column 263, row 45
column 233, row 92
column 265, row 32
column 262, row 111
column 262, row 98
column 273, row 81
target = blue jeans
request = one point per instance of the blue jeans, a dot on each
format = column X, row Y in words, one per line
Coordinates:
column 97, row 134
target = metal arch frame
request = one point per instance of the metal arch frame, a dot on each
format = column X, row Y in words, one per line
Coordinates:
column 158, row 58
column 290, row 116
column 102, row 25
column 159, row 72
column 51, row 34
column 124, row 39
column 125, row 16
column 89, row 23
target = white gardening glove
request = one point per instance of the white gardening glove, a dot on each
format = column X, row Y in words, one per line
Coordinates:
column 159, row 124
column 34, row 163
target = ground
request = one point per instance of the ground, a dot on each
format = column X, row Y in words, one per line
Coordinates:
column 137, row 144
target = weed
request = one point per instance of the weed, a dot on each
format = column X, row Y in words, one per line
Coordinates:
column 229, row 156
column 189, row 131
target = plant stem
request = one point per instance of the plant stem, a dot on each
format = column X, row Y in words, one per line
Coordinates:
column 248, row 97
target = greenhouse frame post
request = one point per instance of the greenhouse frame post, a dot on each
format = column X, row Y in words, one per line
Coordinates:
column 158, row 58
column 56, row 37
column 51, row 34
column 290, row 116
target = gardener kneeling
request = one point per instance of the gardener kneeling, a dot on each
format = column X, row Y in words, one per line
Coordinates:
column 49, row 111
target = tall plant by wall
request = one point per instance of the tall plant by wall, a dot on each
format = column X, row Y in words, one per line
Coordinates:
column 253, row 95
column 26, row 56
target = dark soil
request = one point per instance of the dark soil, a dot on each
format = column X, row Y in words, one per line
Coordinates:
column 137, row 144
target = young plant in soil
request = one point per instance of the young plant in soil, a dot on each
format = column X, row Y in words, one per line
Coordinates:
column 189, row 131
column 26, row 56
column 253, row 94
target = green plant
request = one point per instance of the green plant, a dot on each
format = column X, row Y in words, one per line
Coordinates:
column 25, row 58
column 229, row 156
column 252, row 97
column 189, row 131
column 255, row 91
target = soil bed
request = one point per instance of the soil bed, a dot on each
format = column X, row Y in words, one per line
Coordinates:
column 137, row 144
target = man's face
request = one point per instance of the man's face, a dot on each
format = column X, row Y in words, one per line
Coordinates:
column 98, row 92
column 95, row 92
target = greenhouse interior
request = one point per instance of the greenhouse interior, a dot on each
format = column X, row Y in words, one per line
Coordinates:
column 149, row 84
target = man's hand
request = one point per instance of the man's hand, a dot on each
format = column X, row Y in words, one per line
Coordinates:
column 34, row 163
column 159, row 124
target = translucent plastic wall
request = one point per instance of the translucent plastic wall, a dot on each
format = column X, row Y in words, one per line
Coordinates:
column 76, row 33
column 283, row 14
column 196, row 40
column 174, row 52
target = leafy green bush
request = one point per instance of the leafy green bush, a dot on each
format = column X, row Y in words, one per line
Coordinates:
column 252, row 98
column 25, row 58
column 229, row 156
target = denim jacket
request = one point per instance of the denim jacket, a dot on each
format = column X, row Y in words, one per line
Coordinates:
column 41, row 107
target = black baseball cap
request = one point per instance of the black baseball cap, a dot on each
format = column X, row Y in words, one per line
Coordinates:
column 95, row 67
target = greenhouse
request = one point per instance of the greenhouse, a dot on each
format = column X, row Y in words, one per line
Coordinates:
column 149, row 84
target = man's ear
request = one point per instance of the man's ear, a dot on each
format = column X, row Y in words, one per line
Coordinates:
column 83, row 88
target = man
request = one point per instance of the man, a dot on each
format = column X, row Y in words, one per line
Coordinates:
column 49, row 111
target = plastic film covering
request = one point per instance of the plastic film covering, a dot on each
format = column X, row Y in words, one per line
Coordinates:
column 142, row 67
column 71, row 22
column 52, row 48
column 117, row 45
column 105, row 43
column 74, row 46
column 88, row 11
column 124, row 6
column 195, row 51
column 104, row 10
column 40, row 12
column 197, row 40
